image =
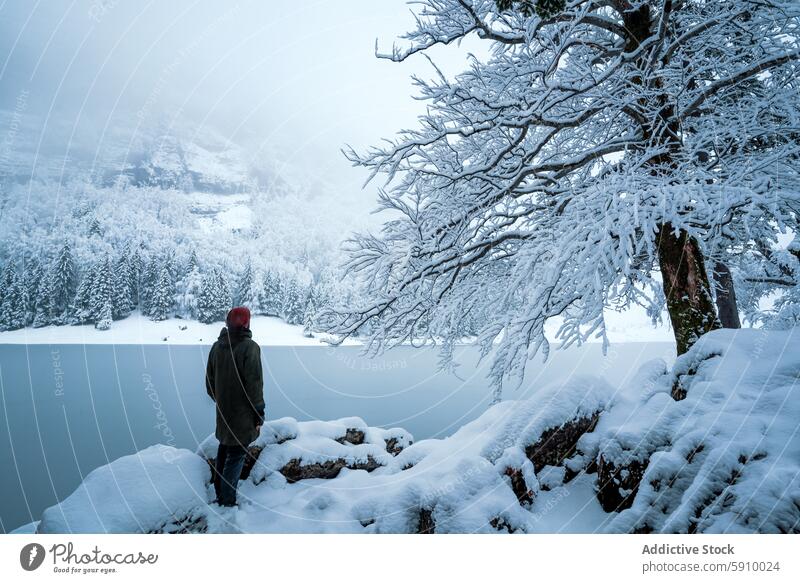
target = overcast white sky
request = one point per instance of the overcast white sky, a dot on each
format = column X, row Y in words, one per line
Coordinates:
column 297, row 76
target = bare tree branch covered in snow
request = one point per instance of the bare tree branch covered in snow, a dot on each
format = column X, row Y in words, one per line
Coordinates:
column 597, row 152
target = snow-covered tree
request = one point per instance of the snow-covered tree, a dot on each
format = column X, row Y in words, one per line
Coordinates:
column 270, row 301
column 215, row 298
column 80, row 311
column 149, row 280
column 101, row 297
column 161, row 295
column 247, row 292
column 137, row 273
column 225, row 301
column 123, row 295
column 312, row 304
column 594, row 153
column 188, row 289
column 293, row 307
column 12, row 305
column 62, row 283
column 32, row 277
column 44, row 310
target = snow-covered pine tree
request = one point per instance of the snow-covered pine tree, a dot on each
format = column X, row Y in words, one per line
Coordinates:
column 137, row 269
column 32, row 276
column 12, row 307
column 95, row 228
column 188, row 290
column 271, row 297
column 225, row 296
column 206, row 301
column 80, row 311
column 293, row 307
column 161, row 295
column 44, row 310
column 62, row 284
column 101, row 297
column 148, row 283
column 122, row 304
column 247, row 291
column 214, row 300
column 312, row 302
column 581, row 156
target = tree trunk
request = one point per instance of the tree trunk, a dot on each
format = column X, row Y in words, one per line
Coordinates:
column 686, row 287
column 726, row 296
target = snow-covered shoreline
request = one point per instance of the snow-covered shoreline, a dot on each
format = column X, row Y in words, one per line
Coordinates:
column 138, row 329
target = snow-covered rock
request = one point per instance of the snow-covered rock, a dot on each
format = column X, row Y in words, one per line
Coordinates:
column 713, row 445
column 316, row 449
column 144, row 492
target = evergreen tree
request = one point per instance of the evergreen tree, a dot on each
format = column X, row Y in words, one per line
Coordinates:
column 271, row 299
column 43, row 312
column 293, row 306
column 32, row 276
column 62, row 283
column 149, row 280
column 122, row 299
column 188, row 290
column 136, row 273
column 95, row 228
column 12, row 307
column 161, row 297
column 81, row 309
column 101, row 295
column 103, row 317
column 225, row 297
column 247, row 293
column 312, row 305
column 207, row 301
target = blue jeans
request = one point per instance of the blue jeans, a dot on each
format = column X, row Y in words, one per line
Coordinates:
column 230, row 459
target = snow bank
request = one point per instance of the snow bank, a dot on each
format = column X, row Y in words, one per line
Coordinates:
column 483, row 477
column 142, row 492
column 138, row 329
column 725, row 456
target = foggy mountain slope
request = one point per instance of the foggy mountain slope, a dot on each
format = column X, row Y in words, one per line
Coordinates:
column 193, row 182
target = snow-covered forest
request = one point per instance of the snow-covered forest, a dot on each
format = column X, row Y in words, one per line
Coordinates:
column 178, row 227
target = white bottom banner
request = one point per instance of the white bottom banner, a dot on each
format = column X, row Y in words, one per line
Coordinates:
column 389, row 558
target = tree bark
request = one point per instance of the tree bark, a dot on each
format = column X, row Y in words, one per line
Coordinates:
column 686, row 287
column 726, row 296
column 686, row 284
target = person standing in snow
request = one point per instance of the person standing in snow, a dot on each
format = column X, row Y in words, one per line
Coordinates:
column 234, row 380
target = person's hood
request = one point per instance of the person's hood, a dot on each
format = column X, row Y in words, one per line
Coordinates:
column 232, row 336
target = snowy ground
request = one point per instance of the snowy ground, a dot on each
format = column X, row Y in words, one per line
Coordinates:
column 630, row 326
column 138, row 329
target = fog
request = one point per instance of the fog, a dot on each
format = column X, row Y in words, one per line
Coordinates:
column 294, row 79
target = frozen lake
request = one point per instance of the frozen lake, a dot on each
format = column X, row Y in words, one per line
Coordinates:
column 68, row 409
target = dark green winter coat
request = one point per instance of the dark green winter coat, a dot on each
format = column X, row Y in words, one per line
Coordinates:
column 235, row 381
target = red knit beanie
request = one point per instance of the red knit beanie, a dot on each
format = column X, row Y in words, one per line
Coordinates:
column 238, row 317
